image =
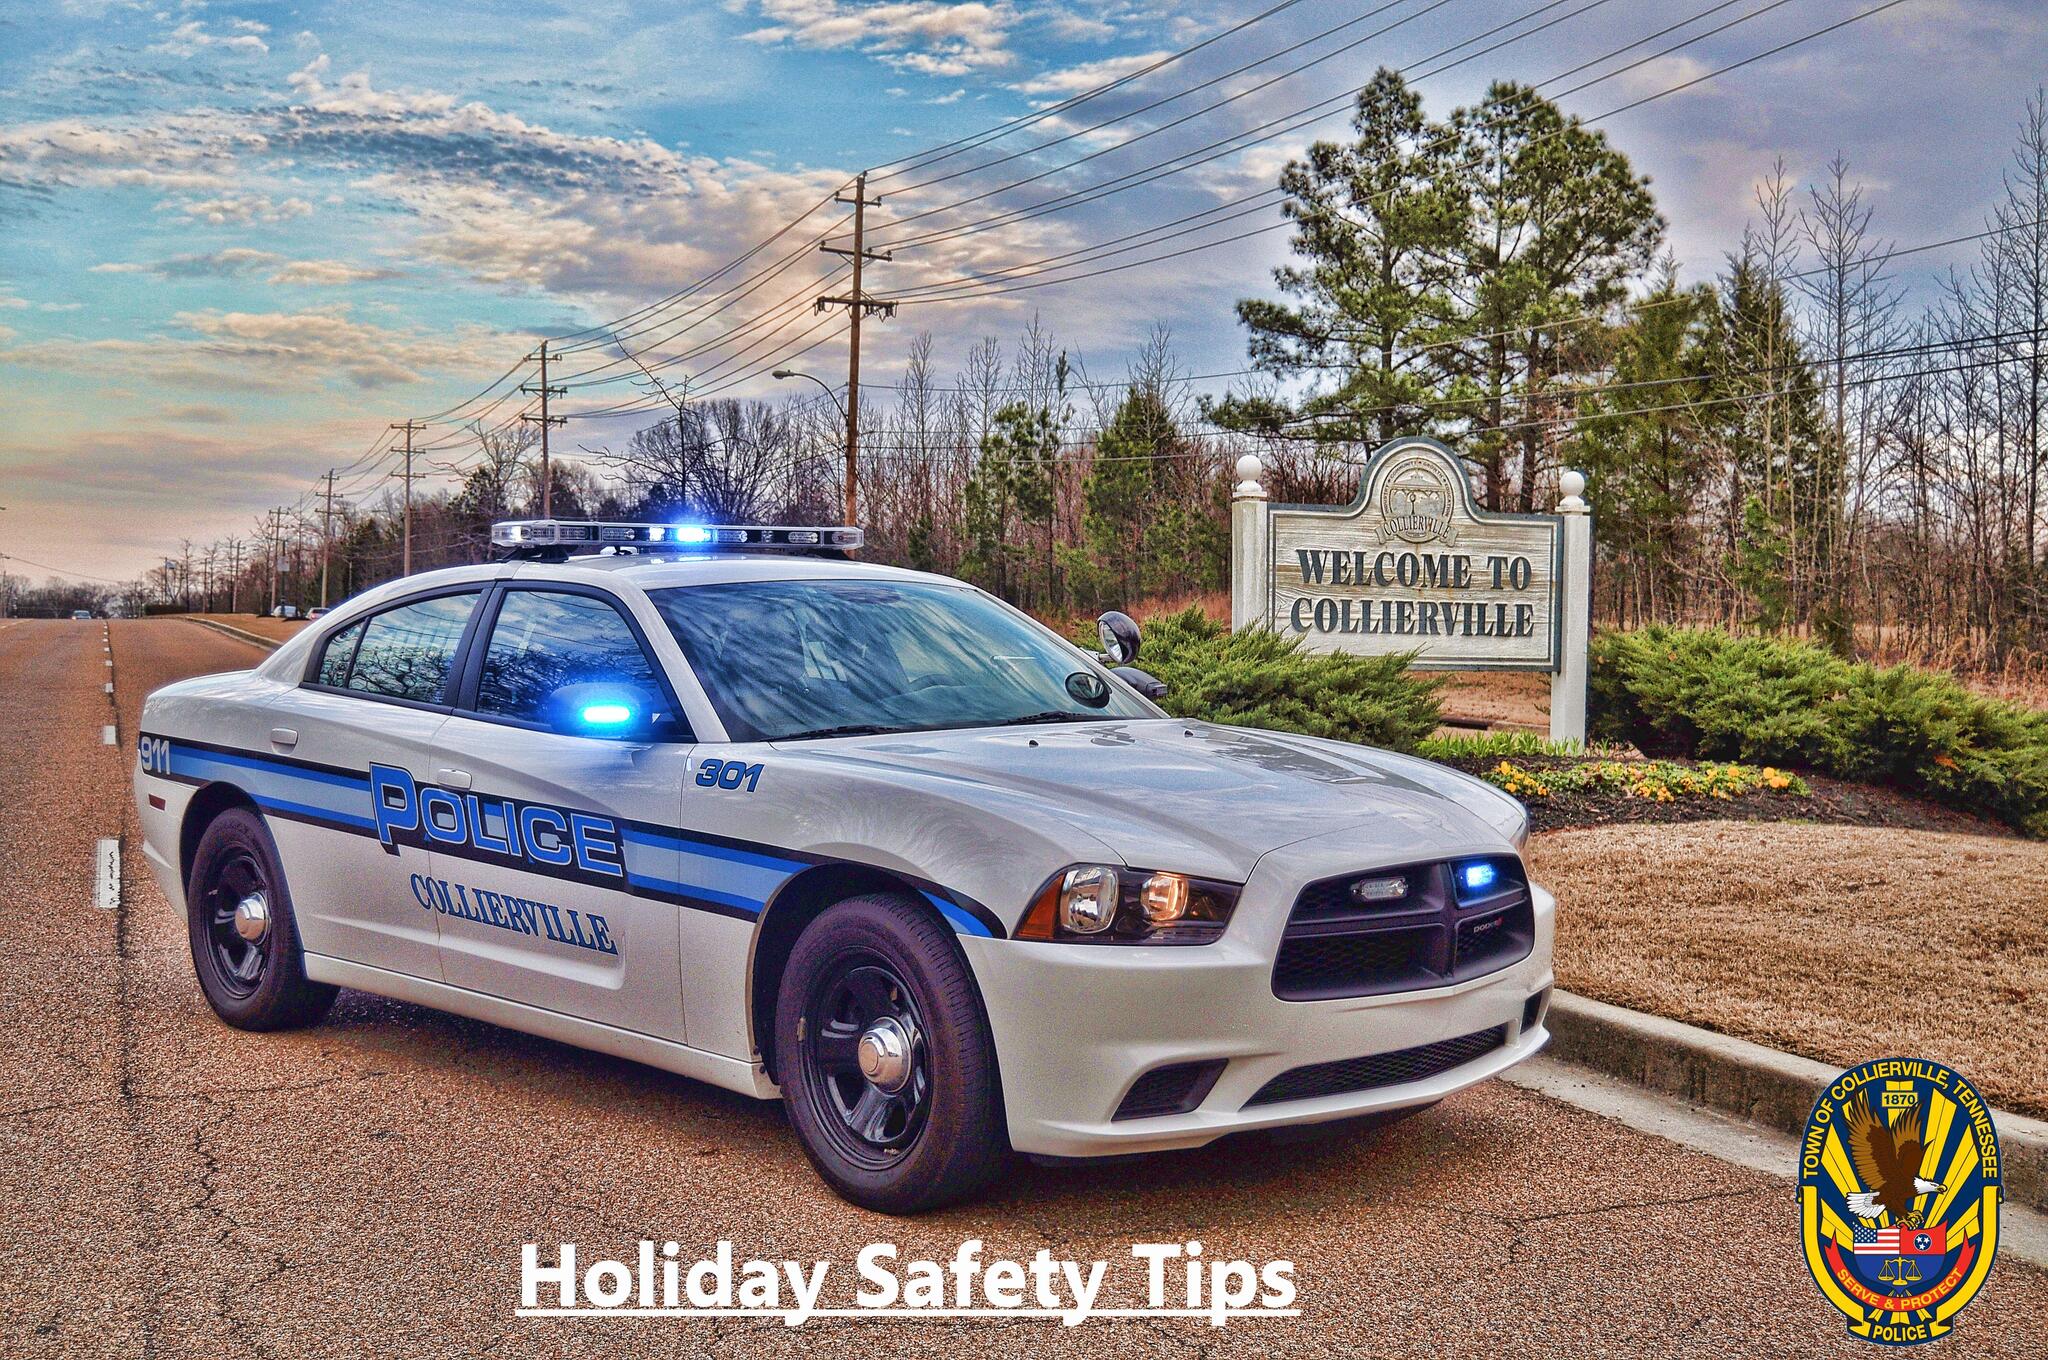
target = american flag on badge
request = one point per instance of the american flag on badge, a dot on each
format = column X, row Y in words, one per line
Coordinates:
column 1898, row 1241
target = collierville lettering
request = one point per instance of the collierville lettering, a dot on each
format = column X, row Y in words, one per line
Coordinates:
column 521, row 915
column 1412, row 618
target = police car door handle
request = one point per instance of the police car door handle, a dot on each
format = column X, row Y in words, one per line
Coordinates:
column 284, row 736
column 454, row 779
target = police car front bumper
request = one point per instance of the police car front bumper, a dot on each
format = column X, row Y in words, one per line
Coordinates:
column 1076, row 1026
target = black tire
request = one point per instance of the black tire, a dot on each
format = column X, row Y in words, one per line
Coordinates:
column 260, row 984
column 941, row 1136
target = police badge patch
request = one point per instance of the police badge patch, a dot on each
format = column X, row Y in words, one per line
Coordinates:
column 1898, row 1197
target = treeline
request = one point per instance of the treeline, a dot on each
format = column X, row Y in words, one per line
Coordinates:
column 1789, row 446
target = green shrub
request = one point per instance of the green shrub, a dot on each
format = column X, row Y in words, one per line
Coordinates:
column 1494, row 745
column 1703, row 693
column 1257, row 678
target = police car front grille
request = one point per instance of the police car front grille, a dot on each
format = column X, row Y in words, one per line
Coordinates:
column 1350, row 1075
column 1338, row 946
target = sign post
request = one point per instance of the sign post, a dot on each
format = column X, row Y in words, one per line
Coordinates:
column 1568, row 681
column 1415, row 565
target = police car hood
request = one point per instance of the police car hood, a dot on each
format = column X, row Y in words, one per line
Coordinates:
column 1202, row 798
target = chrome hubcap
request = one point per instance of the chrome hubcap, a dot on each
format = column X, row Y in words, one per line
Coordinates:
column 252, row 917
column 884, row 1054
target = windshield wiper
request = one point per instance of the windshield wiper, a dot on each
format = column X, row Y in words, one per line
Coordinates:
column 1051, row 715
column 843, row 730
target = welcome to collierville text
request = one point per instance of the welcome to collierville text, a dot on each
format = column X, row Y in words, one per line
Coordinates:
column 1412, row 618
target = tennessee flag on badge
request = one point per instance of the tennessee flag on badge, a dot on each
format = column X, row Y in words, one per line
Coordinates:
column 1898, row 1241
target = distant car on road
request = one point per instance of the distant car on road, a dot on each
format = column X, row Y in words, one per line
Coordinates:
column 81, row 614
column 284, row 611
column 731, row 805
column 318, row 611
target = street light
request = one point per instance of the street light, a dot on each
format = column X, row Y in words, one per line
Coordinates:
column 781, row 373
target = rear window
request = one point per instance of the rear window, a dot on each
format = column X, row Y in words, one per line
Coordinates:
column 402, row 653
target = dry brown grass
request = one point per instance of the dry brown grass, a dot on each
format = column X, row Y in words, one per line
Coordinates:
column 1502, row 699
column 263, row 626
column 1840, row 943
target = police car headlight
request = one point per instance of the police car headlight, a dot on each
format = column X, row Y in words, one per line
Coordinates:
column 1099, row 904
column 1087, row 899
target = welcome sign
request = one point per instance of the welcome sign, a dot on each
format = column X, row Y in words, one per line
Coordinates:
column 1415, row 565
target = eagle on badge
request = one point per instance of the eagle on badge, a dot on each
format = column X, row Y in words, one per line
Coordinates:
column 1887, row 1160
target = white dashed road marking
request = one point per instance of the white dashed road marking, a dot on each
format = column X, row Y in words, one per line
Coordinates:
column 107, row 735
column 106, row 885
column 110, row 687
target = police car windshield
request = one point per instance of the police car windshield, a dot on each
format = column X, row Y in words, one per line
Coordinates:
column 782, row 660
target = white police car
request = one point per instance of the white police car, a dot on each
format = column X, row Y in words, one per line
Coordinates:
column 724, row 802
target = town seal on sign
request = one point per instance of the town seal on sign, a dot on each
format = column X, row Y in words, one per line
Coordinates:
column 1898, row 1196
column 1416, row 502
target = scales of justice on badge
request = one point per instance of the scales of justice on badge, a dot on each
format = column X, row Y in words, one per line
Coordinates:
column 1414, row 564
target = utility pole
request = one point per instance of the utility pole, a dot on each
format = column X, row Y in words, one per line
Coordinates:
column 327, row 529
column 274, row 533
column 408, row 477
column 858, row 304
column 547, row 474
column 234, row 576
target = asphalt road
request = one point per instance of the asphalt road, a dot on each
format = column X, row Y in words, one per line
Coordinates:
column 174, row 1187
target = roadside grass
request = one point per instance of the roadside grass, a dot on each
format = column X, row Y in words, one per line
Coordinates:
column 1840, row 943
column 262, row 625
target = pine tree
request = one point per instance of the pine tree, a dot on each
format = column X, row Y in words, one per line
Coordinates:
column 1377, row 220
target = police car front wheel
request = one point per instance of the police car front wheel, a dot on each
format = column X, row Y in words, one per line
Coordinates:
column 245, row 940
column 885, row 1060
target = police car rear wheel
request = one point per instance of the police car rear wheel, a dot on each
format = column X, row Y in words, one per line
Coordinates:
column 245, row 940
column 887, row 1068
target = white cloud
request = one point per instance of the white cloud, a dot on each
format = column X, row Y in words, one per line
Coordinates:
column 261, row 351
column 931, row 37
column 240, row 209
column 245, row 261
column 1088, row 74
column 191, row 38
column 1075, row 27
column 952, row 98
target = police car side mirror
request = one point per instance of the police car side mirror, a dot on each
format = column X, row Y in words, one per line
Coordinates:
column 1119, row 634
column 1147, row 684
column 620, row 712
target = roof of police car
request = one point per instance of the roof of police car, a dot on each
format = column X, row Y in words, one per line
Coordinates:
column 653, row 571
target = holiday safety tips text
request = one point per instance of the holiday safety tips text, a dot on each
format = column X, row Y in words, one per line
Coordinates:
column 1158, row 1279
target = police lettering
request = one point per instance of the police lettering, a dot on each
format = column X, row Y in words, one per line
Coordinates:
column 409, row 813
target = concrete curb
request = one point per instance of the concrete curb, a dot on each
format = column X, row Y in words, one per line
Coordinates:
column 267, row 644
column 1747, row 1080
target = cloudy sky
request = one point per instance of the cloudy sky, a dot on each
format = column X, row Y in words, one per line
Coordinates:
column 241, row 238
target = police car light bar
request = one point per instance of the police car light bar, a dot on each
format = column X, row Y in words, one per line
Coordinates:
column 594, row 534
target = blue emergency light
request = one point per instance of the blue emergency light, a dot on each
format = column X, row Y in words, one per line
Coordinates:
column 590, row 535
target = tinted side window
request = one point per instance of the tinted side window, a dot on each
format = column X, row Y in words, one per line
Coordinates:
column 406, row 652
column 340, row 652
column 544, row 640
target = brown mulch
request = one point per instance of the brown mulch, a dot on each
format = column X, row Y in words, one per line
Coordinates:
column 1839, row 943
